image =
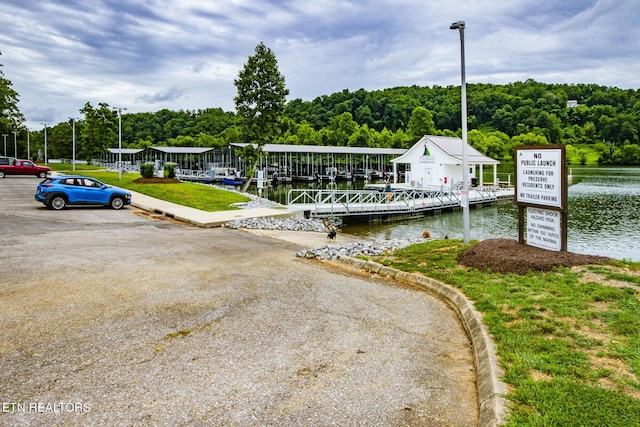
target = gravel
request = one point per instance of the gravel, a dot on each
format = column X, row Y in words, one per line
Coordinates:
column 325, row 252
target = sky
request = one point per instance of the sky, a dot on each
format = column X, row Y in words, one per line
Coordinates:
column 148, row 55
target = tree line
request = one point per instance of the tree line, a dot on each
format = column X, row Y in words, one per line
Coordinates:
column 602, row 123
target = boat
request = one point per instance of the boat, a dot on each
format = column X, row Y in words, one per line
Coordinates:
column 233, row 181
column 232, row 177
column 344, row 176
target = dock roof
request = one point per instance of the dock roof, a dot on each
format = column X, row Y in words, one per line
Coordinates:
column 326, row 149
column 273, row 148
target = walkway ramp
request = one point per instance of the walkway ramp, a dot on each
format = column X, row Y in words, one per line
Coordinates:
column 402, row 202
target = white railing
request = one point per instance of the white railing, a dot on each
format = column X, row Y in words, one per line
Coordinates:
column 354, row 202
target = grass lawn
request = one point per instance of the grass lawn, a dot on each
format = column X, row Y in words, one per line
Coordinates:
column 568, row 341
column 197, row 196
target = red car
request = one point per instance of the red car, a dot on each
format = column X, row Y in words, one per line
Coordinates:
column 23, row 167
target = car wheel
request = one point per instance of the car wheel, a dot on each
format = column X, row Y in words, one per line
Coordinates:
column 42, row 174
column 2, row 174
column 117, row 203
column 57, row 203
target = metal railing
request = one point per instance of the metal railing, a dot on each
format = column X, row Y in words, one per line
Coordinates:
column 361, row 202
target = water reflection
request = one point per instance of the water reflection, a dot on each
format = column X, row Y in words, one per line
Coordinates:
column 603, row 218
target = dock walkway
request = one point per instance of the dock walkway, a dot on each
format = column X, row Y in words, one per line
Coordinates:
column 403, row 202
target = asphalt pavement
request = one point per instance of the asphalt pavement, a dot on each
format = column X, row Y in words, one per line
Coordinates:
column 131, row 317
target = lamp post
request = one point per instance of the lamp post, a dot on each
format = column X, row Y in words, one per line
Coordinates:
column 119, row 110
column 45, row 142
column 15, row 144
column 28, row 144
column 73, row 144
column 465, row 164
column 4, row 137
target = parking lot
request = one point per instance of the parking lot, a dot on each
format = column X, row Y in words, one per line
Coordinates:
column 119, row 318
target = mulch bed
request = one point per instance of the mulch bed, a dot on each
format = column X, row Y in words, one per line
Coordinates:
column 157, row 181
column 509, row 256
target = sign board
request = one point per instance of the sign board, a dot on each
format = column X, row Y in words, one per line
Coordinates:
column 541, row 190
column 464, row 199
column 540, row 177
column 260, row 178
column 427, row 159
column 543, row 228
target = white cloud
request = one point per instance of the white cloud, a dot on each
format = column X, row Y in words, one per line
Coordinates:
column 185, row 55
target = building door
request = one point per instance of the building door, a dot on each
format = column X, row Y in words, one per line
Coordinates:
column 428, row 176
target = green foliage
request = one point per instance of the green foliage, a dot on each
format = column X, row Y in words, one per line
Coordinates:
column 169, row 170
column 260, row 101
column 421, row 123
column 147, row 170
column 260, row 98
column 10, row 117
column 603, row 128
column 100, row 130
column 529, row 138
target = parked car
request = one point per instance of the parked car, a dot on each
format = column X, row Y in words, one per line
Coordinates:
column 22, row 167
column 57, row 192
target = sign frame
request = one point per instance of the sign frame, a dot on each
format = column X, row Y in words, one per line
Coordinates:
column 541, row 182
column 546, row 170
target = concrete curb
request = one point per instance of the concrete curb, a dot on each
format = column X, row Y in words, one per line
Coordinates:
column 491, row 390
column 201, row 218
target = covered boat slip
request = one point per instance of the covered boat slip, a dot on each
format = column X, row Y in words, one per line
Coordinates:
column 281, row 162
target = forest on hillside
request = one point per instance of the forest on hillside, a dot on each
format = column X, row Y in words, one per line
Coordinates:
column 601, row 125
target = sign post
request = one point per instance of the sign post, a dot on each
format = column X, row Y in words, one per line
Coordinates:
column 541, row 189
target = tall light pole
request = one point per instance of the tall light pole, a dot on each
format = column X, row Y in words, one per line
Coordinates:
column 119, row 110
column 4, row 137
column 465, row 164
column 73, row 127
column 15, row 144
column 28, row 144
column 45, row 142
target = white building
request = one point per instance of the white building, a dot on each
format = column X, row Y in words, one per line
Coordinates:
column 437, row 161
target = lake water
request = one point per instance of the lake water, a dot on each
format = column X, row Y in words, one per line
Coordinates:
column 603, row 216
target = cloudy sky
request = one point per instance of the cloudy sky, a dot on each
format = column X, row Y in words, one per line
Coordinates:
column 146, row 55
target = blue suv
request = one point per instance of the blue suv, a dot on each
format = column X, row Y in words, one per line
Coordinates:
column 57, row 192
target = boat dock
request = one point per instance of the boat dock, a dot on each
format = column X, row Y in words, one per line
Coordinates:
column 404, row 202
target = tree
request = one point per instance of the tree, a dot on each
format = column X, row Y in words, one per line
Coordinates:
column 100, row 130
column 421, row 123
column 60, row 141
column 10, row 117
column 340, row 129
column 260, row 104
column 529, row 138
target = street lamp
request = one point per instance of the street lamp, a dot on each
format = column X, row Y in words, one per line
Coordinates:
column 28, row 144
column 4, row 137
column 73, row 126
column 45, row 142
column 119, row 110
column 15, row 144
column 465, row 166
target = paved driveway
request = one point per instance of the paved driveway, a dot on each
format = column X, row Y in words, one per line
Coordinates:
column 115, row 318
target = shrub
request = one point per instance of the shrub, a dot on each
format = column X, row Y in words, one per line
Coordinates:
column 169, row 170
column 146, row 170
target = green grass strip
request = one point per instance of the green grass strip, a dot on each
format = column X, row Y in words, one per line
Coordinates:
column 568, row 340
column 194, row 195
